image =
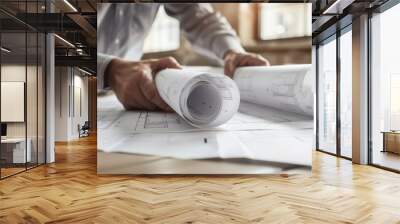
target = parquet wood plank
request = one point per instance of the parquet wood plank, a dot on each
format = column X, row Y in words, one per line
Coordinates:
column 70, row 191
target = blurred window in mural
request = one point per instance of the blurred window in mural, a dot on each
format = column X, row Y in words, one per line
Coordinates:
column 164, row 34
column 277, row 21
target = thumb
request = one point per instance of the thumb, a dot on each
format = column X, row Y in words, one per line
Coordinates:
column 229, row 67
column 163, row 63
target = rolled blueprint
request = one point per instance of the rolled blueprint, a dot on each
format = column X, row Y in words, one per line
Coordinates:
column 284, row 87
column 203, row 99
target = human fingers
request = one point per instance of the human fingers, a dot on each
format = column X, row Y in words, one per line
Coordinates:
column 252, row 60
column 149, row 90
column 230, row 66
column 163, row 63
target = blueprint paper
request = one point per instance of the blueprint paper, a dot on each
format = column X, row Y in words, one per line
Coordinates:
column 285, row 87
column 285, row 146
column 208, row 98
column 255, row 132
column 203, row 99
column 249, row 117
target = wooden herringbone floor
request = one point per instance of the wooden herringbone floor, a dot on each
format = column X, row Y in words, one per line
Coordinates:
column 69, row 191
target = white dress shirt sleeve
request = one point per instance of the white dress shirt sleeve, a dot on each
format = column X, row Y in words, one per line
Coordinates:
column 102, row 62
column 208, row 31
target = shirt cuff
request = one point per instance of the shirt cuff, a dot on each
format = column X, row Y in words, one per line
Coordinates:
column 102, row 62
column 227, row 42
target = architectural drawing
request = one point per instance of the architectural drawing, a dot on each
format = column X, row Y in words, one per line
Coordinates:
column 285, row 87
column 272, row 122
column 256, row 132
column 205, row 99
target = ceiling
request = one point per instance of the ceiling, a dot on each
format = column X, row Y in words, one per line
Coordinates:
column 332, row 15
column 74, row 21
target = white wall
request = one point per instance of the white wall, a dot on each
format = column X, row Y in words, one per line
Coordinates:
column 71, row 94
column 17, row 73
column 34, row 125
column 61, row 103
column 14, row 73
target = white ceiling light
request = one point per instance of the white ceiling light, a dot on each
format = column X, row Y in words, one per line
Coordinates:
column 337, row 7
column 70, row 5
column 5, row 50
column 86, row 72
column 65, row 41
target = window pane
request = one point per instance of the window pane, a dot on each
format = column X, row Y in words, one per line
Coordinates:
column 284, row 20
column 327, row 97
column 31, row 97
column 22, row 89
column 164, row 34
column 386, row 89
column 14, row 153
column 41, row 98
column 346, row 93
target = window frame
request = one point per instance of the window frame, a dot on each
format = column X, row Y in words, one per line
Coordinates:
column 329, row 39
column 27, row 29
column 259, row 24
column 334, row 36
column 339, row 28
column 371, row 13
column 343, row 31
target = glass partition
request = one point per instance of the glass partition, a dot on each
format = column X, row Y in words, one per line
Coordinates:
column 41, row 96
column 31, row 99
column 346, row 93
column 22, row 90
column 385, row 89
column 14, row 153
column 41, row 89
column 327, row 96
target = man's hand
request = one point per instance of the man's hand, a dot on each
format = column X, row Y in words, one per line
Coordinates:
column 133, row 82
column 234, row 60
